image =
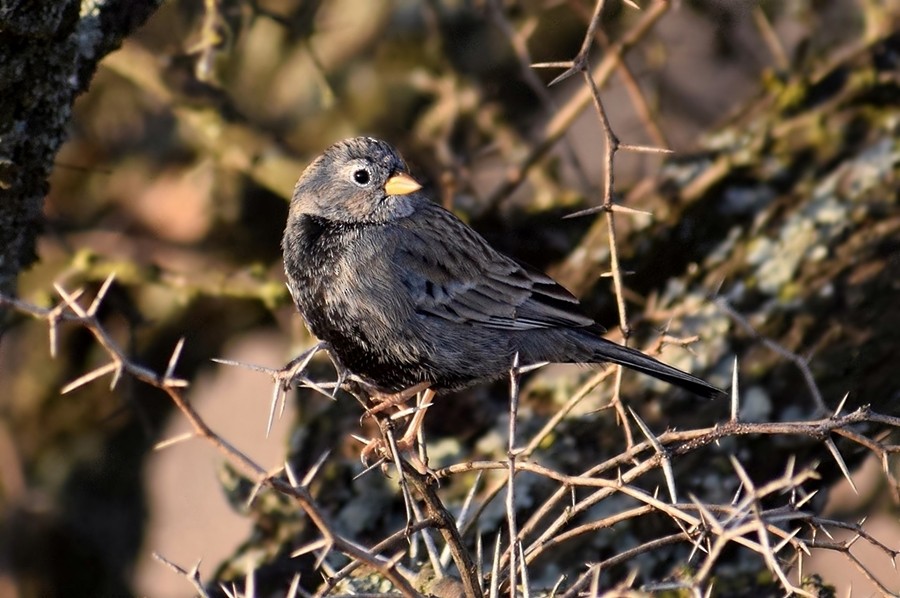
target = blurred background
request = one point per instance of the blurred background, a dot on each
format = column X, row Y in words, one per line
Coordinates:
column 781, row 196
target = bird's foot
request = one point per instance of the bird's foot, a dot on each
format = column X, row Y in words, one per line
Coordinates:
column 389, row 448
column 377, row 450
column 386, row 401
column 380, row 449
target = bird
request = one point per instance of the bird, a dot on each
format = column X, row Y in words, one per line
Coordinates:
column 406, row 295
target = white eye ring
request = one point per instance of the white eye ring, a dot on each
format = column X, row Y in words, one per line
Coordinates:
column 362, row 177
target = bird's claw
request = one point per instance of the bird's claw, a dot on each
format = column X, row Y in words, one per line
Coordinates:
column 381, row 450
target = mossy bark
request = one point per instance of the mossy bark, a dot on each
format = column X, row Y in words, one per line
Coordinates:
column 48, row 53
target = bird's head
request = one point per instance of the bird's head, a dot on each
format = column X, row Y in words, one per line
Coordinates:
column 358, row 180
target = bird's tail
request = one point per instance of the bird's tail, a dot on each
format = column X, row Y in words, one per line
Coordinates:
column 636, row 360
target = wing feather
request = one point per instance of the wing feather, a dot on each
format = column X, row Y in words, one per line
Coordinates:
column 452, row 273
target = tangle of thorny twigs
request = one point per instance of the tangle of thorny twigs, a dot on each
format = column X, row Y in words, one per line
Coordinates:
column 782, row 535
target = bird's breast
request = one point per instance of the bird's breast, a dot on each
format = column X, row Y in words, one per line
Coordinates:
column 344, row 285
column 313, row 248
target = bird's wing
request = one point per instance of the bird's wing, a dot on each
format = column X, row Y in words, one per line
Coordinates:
column 452, row 273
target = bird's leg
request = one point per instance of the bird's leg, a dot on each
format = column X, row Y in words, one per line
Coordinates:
column 413, row 433
column 415, row 425
column 386, row 401
column 408, row 440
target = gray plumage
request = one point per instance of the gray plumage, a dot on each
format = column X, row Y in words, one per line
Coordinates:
column 405, row 292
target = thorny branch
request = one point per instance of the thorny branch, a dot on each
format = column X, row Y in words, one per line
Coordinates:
column 71, row 311
column 709, row 527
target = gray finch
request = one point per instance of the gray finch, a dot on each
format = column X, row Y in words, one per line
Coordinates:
column 404, row 292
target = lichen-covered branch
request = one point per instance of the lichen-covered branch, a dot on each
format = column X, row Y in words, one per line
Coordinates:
column 48, row 53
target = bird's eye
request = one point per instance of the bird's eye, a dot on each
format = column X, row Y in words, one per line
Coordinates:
column 361, row 177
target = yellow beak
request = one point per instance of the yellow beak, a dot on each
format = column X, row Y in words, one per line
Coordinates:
column 401, row 184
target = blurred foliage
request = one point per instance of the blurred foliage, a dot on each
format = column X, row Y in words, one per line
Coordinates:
column 183, row 154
